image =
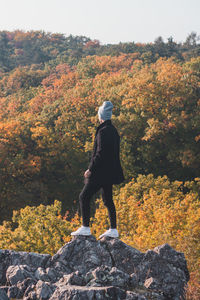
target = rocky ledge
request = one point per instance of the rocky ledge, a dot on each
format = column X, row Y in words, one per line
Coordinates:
column 89, row 269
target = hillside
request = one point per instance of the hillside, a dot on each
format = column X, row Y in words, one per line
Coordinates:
column 50, row 89
column 19, row 48
column 48, row 119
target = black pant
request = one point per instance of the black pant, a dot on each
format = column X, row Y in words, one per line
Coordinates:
column 87, row 192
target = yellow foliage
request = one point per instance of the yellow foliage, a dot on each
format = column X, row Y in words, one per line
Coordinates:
column 39, row 229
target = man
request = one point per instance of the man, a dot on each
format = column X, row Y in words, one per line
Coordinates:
column 103, row 171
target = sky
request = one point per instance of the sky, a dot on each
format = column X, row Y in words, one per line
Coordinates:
column 109, row 21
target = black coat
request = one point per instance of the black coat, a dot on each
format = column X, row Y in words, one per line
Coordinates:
column 105, row 164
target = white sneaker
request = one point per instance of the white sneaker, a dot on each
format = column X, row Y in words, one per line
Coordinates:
column 111, row 233
column 83, row 230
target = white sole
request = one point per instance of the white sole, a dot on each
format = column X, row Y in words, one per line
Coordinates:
column 80, row 234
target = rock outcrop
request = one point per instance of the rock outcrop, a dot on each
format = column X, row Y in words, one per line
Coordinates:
column 89, row 269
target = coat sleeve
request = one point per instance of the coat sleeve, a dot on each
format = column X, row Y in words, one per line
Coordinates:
column 100, row 155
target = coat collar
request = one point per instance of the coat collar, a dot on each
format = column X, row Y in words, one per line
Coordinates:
column 105, row 123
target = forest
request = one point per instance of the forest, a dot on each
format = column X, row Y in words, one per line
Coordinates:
column 50, row 89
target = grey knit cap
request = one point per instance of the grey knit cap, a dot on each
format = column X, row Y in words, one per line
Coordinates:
column 105, row 110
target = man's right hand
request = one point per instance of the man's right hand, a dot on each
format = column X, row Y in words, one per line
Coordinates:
column 87, row 173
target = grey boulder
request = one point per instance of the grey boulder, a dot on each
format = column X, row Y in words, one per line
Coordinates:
column 86, row 268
